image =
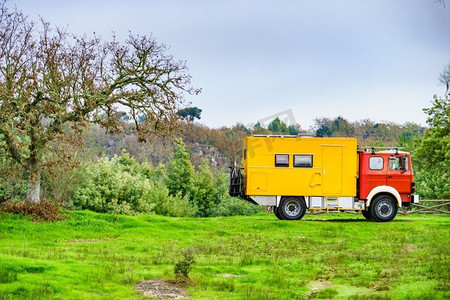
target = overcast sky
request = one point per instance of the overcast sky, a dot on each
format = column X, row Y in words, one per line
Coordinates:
column 358, row 59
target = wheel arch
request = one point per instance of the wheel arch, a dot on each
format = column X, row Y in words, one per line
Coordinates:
column 292, row 208
column 384, row 190
column 279, row 198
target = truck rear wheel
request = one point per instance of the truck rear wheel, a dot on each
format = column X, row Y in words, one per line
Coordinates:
column 383, row 208
column 292, row 208
column 276, row 211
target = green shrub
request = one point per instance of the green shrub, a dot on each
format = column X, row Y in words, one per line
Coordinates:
column 230, row 206
column 180, row 171
column 184, row 266
column 173, row 206
column 204, row 192
column 118, row 185
column 62, row 175
column 13, row 189
column 122, row 185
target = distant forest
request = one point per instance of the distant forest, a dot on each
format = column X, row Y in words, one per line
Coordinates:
column 223, row 145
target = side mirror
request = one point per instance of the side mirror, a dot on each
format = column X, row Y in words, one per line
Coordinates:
column 404, row 163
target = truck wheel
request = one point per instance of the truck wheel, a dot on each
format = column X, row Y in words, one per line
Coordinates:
column 367, row 214
column 292, row 208
column 383, row 208
column 276, row 211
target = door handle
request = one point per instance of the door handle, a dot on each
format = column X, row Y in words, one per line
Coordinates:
column 389, row 177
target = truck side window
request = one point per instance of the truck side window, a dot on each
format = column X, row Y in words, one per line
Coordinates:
column 303, row 161
column 245, row 153
column 376, row 163
column 281, row 160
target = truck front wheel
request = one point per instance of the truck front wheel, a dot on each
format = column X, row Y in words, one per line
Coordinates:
column 383, row 208
column 292, row 208
column 367, row 214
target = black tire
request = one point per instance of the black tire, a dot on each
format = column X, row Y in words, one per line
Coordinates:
column 277, row 213
column 367, row 214
column 292, row 208
column 383, row 208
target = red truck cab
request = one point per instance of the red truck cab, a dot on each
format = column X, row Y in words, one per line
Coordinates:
column 385, row 177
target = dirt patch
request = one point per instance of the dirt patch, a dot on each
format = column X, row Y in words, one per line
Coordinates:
column 229, row 275
column 408, row 248
column 86, row 241
column 162, row 289
column 319, row 285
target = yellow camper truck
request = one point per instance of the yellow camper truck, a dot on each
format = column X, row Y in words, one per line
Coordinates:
column 323, row 171
column 294, row 173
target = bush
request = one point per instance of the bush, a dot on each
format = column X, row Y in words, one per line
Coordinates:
column 118, row 185
column 13, row 189
column 236, row 207
column 173, row 206
column 204, row 191
column 122, row 185
column 180, row 171
column 184, row 266
column 231, row 206
column 62, row 176
column 44, row 211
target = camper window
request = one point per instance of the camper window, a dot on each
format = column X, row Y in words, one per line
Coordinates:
column 281, row 160
column 303, row 161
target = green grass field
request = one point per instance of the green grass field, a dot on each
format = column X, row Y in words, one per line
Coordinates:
column 94, row 255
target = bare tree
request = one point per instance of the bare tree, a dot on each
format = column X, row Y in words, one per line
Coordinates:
column 444, row 78
column 51, row 79
column 440, row 2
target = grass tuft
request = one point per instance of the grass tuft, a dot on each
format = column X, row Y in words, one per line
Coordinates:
column 7, row 276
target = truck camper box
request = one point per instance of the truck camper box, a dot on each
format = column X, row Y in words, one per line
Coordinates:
column 293, row 166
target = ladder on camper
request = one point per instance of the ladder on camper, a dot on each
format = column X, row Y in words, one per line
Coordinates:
column 327, row 204
column 335, row 204
column 332, row 203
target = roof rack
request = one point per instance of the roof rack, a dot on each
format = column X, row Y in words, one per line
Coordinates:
column 376, row 147
column 274, row 135
column 387, row 149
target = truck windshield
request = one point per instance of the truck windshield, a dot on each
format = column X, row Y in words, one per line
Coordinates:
column 397, row 163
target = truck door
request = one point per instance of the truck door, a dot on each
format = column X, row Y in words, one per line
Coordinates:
column 332, row 170
column 372, row 172
column 398, row 176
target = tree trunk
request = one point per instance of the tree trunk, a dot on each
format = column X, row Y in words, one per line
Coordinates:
column 34, row 175
column 34, row 185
